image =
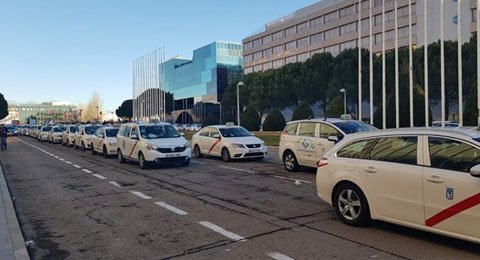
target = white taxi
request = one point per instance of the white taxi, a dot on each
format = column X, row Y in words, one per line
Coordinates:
column 55, row 134
column 42, row 134
column 104, row 141
column 68, row 136
column 303, row 142
column 152, row 143
column 427, row 179
column 229, row 142
column 83, row 137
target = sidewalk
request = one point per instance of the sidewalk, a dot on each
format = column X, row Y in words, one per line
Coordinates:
column 12, row 245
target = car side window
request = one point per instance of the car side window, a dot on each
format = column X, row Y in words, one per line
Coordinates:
column 307, row 129
column 214, row 131
column 452, row 155
column 395, row 149
column 328, row 130
column 126, row 132
column 97, row 132
column 355, row 150
column 205, row 132
column 291, row 129
column 134, row 132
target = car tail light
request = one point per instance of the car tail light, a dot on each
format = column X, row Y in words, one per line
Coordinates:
column 283, row 133
column 322, row 162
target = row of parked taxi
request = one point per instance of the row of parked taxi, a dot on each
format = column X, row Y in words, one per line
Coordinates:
column 424, row 178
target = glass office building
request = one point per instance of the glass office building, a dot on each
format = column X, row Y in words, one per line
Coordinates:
column 198, row 84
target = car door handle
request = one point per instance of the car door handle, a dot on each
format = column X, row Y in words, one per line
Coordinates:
column 370, row 169
column 435, row 179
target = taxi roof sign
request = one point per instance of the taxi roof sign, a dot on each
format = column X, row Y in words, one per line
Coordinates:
column 229, row 124
column 346, row 117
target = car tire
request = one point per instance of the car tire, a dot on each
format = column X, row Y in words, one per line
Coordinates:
column 105, row 153
column 75, row 145
column 197, row 152
column 142, row 162
column 351, row 205
column 225, row 155
column 120, row 156
column 290, row 161
column 82, row 148
column 186, row 162
column 63, row 143
column 93, row 150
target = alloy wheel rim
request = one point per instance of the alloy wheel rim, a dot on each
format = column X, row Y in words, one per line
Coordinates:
column 349, row 204
column 289, row 161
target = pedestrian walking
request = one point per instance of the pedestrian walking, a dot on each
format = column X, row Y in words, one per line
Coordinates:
column 3, row 137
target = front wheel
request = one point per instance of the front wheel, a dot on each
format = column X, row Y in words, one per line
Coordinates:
column 290, row 162
column 197, row 152
column 120, row 156
column 105, row 153
column 351, row 205
column 142, row 162
column 225, row 155
column 92, row 149
column 186, row 162
column 82, row 148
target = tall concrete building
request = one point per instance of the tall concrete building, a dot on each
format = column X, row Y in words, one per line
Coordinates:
column 332, row 26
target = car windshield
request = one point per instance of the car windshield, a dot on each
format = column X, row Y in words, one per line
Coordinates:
column 234, row 132
column 46, row 129
column 111, row 132
column 158, row 131
column 73, row 129
column 350, row 127
column 57, row 129
column 89, row 130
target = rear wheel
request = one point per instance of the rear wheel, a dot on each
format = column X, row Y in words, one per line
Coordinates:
column 142, row 162
column 105, row 153
column 120, row 156
column 290, row 161
column 92, row 149
column 225, row 155
column 197, row 152
column 75, row 145
column 351, row 205
column 82, row 148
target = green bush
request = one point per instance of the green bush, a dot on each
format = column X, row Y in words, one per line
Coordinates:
column 274, row 121
column 335, row 108
column 229, row 118
column 302, row 111
column 211, row 119
column 250, row 119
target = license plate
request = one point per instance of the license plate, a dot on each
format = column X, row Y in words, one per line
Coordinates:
column 173, row 155
column 255, row 150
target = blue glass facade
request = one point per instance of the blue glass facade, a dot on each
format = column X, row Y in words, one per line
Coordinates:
column 204, row 78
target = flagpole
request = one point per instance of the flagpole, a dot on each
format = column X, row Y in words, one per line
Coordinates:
column 384, row 74
column 360, row 60
column 425, row 57
column 410, row 60
column 371, row 64
column 460, row 65
column 397, row 95
column 442, row 65
column 478, row 62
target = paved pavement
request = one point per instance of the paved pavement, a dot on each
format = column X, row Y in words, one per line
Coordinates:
column 73, row 205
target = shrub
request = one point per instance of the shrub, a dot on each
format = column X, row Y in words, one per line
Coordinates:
column 250, row 119
column 274, row 121
column 335, row 108
column 302, row 111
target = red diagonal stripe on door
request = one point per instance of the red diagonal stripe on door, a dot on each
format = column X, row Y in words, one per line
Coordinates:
column 133, row 148
column 453, row 210
column 213, row 145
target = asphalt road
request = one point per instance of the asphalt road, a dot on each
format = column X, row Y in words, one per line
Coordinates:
column 73, row 205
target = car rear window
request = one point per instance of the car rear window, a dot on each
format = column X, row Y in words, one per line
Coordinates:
column 350, row 127
column 354, row 150
column 291, row 129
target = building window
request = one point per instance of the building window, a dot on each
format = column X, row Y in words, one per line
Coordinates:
column 365, row 5
column 257, row 55
column 377, row 3
column 303, row 27
column 348, row 28
column 316, row 52
column 292, row 59
column 316, row 38
column 249, row 58
column 377, row 20
column 403, row 32
column 257, row 43
column 474, row 15
column 347, row 11
column 331, row 17
column 277, row 63
column 248, row 70
column 389, row 16
column 304, row 42
column 403, row 12
column 389, row 35
column 258, row 68
column 348, row 45
column 378, row 38
column 267, row 66
column 303, row 57
column 277, row 49
column 247, row 46
column 331, row 34
column 290, row 31
column 316, row 22
column 365, row 23
column 267, row 53
column 291, row 46
column 332, row 49
column 277, row 36
column 267, row 39
column 365, row 42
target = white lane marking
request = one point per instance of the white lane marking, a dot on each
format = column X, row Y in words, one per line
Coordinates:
column 99, row 176
column 87, row 170
column 76, row 166
column 61, row 159
column 222, row 231
column 197, row 162
column 68, row 162
column 56, row 157
column 278, row 256
column 171, row 208
column 114, row 183
column 236, row 169
column 141, row 195
column 290, row 179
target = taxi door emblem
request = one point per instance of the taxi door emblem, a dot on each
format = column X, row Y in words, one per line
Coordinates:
column 449, row 193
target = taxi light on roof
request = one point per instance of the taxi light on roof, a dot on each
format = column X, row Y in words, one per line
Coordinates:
column 346, row 117
column 229, row 124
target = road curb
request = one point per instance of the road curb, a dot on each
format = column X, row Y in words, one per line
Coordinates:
column 16, row 236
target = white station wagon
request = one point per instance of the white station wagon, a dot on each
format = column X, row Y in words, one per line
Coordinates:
column 427, row 179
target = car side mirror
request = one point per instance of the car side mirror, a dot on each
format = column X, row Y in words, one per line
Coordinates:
column 134, row 137
column 475, row 171
column 182, row 134
column 217, row 136
column 333, row 138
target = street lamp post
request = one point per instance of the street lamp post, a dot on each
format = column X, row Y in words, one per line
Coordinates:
column 97, row 113
column 344, row 100
column 240, row 84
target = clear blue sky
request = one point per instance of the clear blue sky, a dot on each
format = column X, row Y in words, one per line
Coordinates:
column 65, row 50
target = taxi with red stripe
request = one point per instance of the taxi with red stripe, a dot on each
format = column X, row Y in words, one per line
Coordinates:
column 152, row 143
column 104, row 141
column 228, row 142
column 424, row 178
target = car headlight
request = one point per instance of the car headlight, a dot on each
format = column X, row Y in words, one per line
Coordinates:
column 113, row 144
column 263, row 144
column 238, row 146
column 187, row 145
column 151, row 147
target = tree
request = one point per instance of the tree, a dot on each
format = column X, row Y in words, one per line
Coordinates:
column 91, row 112
column 274, row 121
column 125, row 110
column 250, row 119
column 302, row 111
column 229, row 117
column 336, row 109
column 211, row 119
column 470, row 114
column 3, row 107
